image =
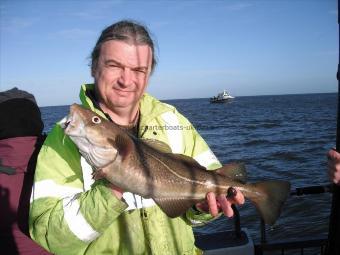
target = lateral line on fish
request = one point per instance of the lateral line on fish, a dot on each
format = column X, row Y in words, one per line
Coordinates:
column 184, row 178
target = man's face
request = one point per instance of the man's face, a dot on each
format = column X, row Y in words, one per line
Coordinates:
column 122, row 73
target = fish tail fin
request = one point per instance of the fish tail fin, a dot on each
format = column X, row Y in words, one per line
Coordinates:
column 268, row 197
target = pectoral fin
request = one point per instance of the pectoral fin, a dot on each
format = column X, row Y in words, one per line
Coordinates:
column 174, row 207
column 123, row 144
column 157, row 145
column 189, row 161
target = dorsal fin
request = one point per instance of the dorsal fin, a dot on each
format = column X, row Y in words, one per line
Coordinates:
column 234, row 171
column 191, row 162
column 157, row 145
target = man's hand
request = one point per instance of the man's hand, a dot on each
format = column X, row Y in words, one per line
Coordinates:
column 334, row 166
column 214, row 204
column 100, row 174
column 118, row 192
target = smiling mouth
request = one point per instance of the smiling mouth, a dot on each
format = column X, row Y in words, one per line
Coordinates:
column 123, row 91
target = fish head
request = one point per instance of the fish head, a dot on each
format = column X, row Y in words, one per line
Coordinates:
column 92, row 134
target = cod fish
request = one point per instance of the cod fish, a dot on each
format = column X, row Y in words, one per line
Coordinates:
column 148, row 168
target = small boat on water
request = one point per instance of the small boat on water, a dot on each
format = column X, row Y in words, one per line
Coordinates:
column 221, row 97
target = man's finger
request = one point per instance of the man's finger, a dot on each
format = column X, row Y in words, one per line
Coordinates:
column 225, row 205
column 231, row 192
column 239, row 198
column 333, row 155
column 234, row 196
column 211, row 199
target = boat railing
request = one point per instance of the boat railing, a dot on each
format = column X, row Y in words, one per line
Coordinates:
column 265, row 247
column 240, row 237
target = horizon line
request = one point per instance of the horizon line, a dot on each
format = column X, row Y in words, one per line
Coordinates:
column 191, row 98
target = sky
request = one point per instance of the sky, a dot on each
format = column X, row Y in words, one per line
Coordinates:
column 248, row 47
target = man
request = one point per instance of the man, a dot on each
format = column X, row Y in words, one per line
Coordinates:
column 334, row 166
column 73, row 214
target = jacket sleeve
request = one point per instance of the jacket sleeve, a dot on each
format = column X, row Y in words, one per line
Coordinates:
column 64, row 218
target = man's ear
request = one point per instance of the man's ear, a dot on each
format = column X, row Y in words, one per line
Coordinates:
column 93, row 68
column 92, row 71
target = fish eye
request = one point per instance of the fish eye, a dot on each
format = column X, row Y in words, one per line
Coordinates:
column 96, row 120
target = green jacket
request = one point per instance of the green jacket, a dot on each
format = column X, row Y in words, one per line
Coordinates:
column 72, row 214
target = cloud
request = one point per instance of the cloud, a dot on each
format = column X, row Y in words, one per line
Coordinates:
column 17, row 23
column 196, row 74
column 239, row 6
column 75, row 34
column 327, row 53
column 85, row 15
column 3, row 10
column 81, row 14
column 333, row 12
column 160, row 24
column 95, row 10
column 211, row 72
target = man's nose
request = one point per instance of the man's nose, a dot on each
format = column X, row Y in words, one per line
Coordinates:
column 126, row 77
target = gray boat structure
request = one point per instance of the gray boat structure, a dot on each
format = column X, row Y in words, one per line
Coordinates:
column 221, row 97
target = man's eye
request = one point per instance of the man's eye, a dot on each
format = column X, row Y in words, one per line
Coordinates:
column 112, row 65
column 140, row 71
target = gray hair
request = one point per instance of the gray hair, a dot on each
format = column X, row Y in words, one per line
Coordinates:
column 126, row 31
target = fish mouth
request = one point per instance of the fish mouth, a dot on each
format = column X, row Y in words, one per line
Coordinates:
column 97, row 155
column 65, row 122
column 73, row 125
